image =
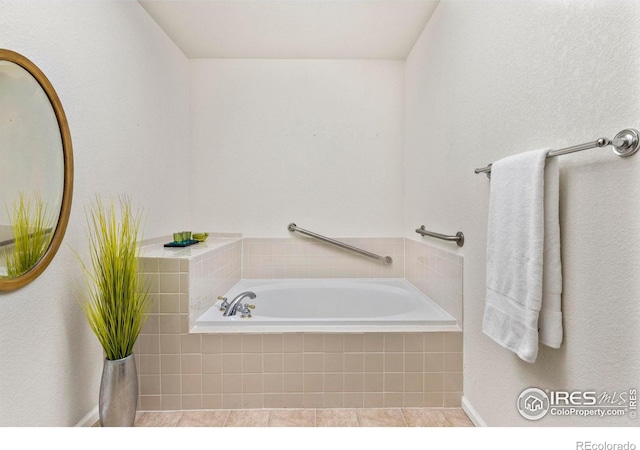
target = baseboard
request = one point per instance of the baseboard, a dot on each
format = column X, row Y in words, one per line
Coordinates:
column 472, row 413
column 89, row 419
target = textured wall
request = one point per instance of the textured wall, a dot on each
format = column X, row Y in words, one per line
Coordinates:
column 315, row 142
column 490, row 79
column 124, row 88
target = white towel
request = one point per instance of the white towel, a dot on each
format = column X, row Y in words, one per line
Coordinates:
column 523, row 255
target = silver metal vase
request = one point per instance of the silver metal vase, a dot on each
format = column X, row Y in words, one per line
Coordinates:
column 118, row 393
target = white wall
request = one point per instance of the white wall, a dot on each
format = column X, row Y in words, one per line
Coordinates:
column 124, row 87
column 317, row 142
column 490, row 79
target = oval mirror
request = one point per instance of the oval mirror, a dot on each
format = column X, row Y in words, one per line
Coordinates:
column 36, row 171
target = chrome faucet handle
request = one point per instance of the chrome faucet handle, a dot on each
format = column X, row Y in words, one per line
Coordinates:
column 225, row 303
column 246, row 311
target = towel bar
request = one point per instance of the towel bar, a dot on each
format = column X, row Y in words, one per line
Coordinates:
column 625, row 143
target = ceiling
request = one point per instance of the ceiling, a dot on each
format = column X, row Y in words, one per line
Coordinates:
column 293, row 29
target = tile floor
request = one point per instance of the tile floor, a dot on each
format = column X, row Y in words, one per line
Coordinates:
column 387, row 417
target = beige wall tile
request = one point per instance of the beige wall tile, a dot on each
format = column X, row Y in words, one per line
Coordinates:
column 373, row 382
column 273, row 362
column 293, row 343
column 353, row 382
column 148, row 344
column 313, row 382
column 333, row 400
column 413, row 362
column 150, row 402
column 170, row 324
column 190, row 343
column 231, row 343
column 452, row 399
column 252, row 363
column 453, row 362
column 251, row 383
column 353, row 342
column 393, row 342
column 211, row 401
column 354, row 362
column 149, row 384
column 273, row 401
column 169, row 364
column 313, row 362
column 434, row 342
column 211, row 363
column 373, row 400
column 452, row 382
column 231, row 384
column 334, row 343
column 333, row 382
column 151, row 325
column 333, row 362
column 413, row 342
column 393, row 400
column 453, row 342
column 191, row 364
column 252, row 343
column 393, row 382
column 273, row 343
column 433, row 382
column 169, row 303
column 211, row 343
column 170, row 402
column 434, row 362
column 292, row 400
column 211, row 383
column 232, row 401
column 373, row 362
column 313, row 400
column 393, row 362
column 373, row 342
column 293, row 382
column 169, row 283
column 171, row 384
column 293, row 362
column 353, row 400
column 313, row 343
column 149, row 364
column 432, row 400
column 412, row 399
column 191, row 384
column 273, row 383
column 231, row 363
column 170, row 344
column 413, row 382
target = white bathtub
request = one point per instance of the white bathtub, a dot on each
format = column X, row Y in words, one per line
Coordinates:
column 329, row 305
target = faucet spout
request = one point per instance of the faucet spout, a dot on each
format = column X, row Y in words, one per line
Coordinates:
column 233, row 306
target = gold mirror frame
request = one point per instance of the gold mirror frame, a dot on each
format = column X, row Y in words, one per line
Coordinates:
column 67, row 192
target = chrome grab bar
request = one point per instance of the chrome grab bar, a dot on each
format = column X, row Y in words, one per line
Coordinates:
column 386, row 260
column 624, row 144
column 458, row 238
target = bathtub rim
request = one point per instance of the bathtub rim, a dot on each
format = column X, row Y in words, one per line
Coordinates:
column 248, row 328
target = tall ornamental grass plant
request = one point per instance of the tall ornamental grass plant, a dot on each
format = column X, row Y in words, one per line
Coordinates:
column 116, row 301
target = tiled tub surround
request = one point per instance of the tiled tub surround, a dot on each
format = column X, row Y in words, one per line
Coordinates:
column 186, row 281
column 437, row 273
column 303, row 257
column 182, row 371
